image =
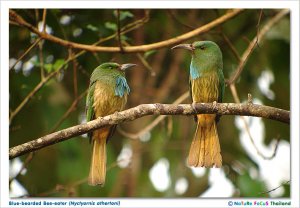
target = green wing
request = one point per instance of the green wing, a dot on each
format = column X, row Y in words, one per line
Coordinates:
column 221, row 91
column 90, row 114
column 190, row 86
column 221, row 87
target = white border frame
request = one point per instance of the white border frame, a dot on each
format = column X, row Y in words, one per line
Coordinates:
column 156, row 202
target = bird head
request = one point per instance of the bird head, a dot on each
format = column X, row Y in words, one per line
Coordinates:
column 200, row 48
column 114, row 67
column 204, row 52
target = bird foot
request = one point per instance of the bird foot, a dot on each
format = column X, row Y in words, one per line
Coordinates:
column 214, row 105
column 250, row 100
column 194, row 107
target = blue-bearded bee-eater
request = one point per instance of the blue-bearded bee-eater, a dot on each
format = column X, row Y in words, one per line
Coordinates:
column 207, row 85
column 108, row 91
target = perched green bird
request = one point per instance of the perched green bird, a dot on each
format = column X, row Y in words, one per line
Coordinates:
column 107, row 94
column 206, row 86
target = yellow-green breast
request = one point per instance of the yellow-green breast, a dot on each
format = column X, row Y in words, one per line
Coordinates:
column 105, row 100
column 205, row 88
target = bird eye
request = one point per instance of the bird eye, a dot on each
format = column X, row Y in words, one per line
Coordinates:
column 202, row 47
column 110, row 67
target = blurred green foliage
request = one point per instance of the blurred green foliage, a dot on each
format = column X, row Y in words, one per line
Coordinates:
column 61, row 169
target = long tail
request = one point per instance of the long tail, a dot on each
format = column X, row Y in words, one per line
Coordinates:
column 205, row 149
column 98, row 163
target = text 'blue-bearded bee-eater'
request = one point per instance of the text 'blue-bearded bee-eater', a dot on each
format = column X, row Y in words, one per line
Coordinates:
column 206, row 86
column 107, row 94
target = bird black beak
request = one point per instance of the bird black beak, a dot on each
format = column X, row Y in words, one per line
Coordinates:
column 126, row 66
column 189, row 47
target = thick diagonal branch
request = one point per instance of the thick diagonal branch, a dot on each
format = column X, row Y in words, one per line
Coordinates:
column 152, row 109
column 14, row 17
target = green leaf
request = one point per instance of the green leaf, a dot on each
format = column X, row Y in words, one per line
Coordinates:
column 58, row 64
column 36, row 63
column 92, row 28
column 124, row 38
column 250, row 187
column 111, row 26
column 124, row 14
column 149, row 53
column 287, row 189
column 48, row 67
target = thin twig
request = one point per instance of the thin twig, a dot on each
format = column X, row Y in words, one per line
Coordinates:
column 26, row 52
column 146, row 64
column 119, row 31
column 30, row 95
column 97, row 58
column 237, row 100
column 41, row 45
column 56, row 189
column 14, row 128
column 231, row 46
column 171, row 79
column 24, row 165
column 69, row 111
column 59, row 187
column 274, row 189
column 152, row 109
column 258, row 26
column 14, row 23
column 44, row 20
column 41, row 59
column 241, row 65
column 130, row 49
column 179, row 21
column 274, row 150
column 254, row 43
column 127, row 28
column 144, row 61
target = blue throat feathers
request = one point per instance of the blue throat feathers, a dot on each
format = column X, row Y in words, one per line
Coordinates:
column 194, row 72
column 121, row 86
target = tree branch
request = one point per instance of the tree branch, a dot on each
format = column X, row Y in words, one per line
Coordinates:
column 255, row 41
column 13, row 16
column 154, row 123
column 119, row 31
column 237, row 100
column 26, row 52
column 274, row 189
column 247, row 109
column 31, row 94
column 127, row 28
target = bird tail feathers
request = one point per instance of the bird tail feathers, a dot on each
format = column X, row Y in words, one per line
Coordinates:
column 205, row 149
column 98, row 164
